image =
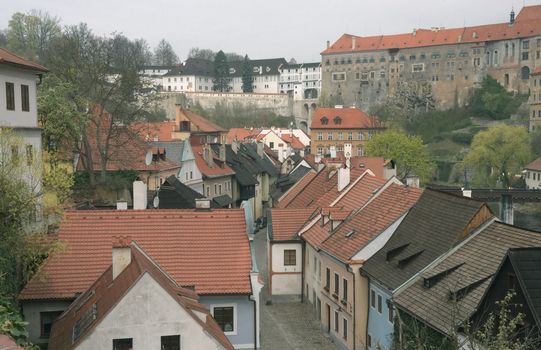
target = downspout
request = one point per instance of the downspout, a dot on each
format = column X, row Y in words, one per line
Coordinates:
column 354, row 308
column 302, row 271
column 368, row 305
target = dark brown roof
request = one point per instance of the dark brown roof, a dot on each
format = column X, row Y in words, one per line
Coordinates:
column 466, row 272
column 433, row 225
column 107, row 292
column 10, row 58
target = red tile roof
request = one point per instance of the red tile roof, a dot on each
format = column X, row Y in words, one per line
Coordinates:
column 343, row 118
column 294, row 141
column 297, row 188
column 535, row 165
column 241, row 134
column 367, row 223
column 8, row 57
column 188, row 244
column 107, row 293
column 536, row 71
column 286, row 223
column 149, row 131
column 310, row 196
column 216, row 169
column 201, row 123
column 527, row 24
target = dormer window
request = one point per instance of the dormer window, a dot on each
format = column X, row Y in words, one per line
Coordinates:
column 324, row 121
column 337, row 120
column 184, row 126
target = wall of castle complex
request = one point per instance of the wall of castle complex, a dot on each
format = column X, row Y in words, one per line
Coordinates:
column 367, row 78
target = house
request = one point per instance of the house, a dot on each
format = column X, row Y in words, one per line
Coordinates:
column 19, row 79
column 197, row 128
column 186, row 244
column 287, row 180
column 153, row 75
column 448, row 292
column 217, row 175
column 301, row 80
column 193, row 75
column 535, row 99
column 431, row 227
column 533, row 175
column 517, row 273
column 332, row 128
column 265, row 75
column 134, row 303
column 173, row 194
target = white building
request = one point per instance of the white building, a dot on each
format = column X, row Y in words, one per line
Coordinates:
column 533, row 175
column 193, row 75
column 301, row 81
column 18, row 103
column 265, row 74
column 154, row 74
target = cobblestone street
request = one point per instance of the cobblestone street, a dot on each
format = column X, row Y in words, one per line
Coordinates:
column 286, row 325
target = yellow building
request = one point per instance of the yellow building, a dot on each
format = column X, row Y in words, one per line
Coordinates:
column 338, row 126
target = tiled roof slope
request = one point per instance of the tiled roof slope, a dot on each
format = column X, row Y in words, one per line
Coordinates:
column 527, row 24
column 351, row 118
column 285, row 223
column 188, row 244
column 201, row 123
column 367, row 223
column 355, row 196
column 325, row 181
column 535, row 165
column 107, row 292
column 297, row 188
column 241, row 134
column 150, row 131
column 470, row 266
column 8, row 57
column 432, row 226
column 216, row 168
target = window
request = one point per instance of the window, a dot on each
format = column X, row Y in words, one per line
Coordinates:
column 328, row 278
column 220, row 189
column 271, row 144
column 360, row 151
column 350, row 136
column 123, row 344
column 526, row 44
column 225, row 317
column 336, row 283
column 369, row 341
column 208, row 191
column 345, row 328
column 336, row 325
column 320, row 150
column 185, row 126
column 170, row 342
column 10, row 96
column 191, row 175
column 339, row 76
column 215, row 189
column 329, row 136
column 46, row 322
column 320, row 136
column 340, row 136
column 391, row 312
column 373, row 298
column 345, row 289
column 29, row 155
column 290, row 257
column 379, row 303
column 360, row 136
column 324, row 121
column 25, row 98
column 525, row 56
column 418, row 67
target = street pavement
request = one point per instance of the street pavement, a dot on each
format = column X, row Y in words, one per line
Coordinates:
column 286, row 325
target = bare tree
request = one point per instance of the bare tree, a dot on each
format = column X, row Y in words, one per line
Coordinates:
column 164, row 55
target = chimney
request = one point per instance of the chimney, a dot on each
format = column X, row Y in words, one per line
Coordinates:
column 414, row 32
column 339, row 106
column 121, row 254
column 353, row 39
column 328, row 44
column 260, row 152
column 202, row 204
column 412, row 181
column 333, row 151
column 178, row 113
column 512, row 17
column 235, row 145
column 139, row 195
column 343, row 178
column 222, row 152
column 121, row 205
column 207, row 156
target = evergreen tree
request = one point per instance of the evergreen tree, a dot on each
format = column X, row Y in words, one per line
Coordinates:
column 221, row 73
column 247, row 78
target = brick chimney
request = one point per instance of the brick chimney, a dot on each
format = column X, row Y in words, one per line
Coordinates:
column 121, row 254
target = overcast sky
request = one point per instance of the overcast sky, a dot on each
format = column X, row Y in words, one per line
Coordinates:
column 264, row 29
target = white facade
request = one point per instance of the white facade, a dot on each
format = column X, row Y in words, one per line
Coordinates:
column 153, row 74
column 262, row 84
column 286, row 278
column 187, row 83
column 146, row 313
column 301, row 81
column 533, row 179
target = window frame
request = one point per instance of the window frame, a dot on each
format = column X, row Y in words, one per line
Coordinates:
column 345, row 289
column 42, row 334
column 121, row 340
column 168, row 338
column 372, row 298
column 380, row 304
column 336, row 283
column 10, row 96
column 287, row 261
column 226, row 305
column 25, row 98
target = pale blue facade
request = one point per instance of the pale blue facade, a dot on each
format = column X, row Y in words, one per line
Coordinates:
column 380, row 327
column 244, row 311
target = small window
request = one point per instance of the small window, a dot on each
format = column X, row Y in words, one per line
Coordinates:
column 328, row 278
column 25, row 98
column 345, row 289
column 290, row 257
column 123, row 344
column 184, row 125
column 271, row 144
column 10, row 96
column 336, row 283
column 336, row 324
column 391, row 312
column 345, row 328
column 373, row 298
column 350, row 136
column 170, row 342
column 329, row 136
column 46, row 322
column 379, row 304
column 224, row 316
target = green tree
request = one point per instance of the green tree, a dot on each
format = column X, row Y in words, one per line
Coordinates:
column 497, row 154
column 164, row 55
column 221, row 73
column 536, row 142
column 247, row 76
column 409, row 152
column 29, row 35
column 492, row 101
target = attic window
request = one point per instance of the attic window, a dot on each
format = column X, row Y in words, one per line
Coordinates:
column 395, row 251
column 459, row 294
column 84, row 322
column 432, row 280
column 184, row 125
column 404, row 261
column 324, row 121
column 337, row 120
column 349, row 233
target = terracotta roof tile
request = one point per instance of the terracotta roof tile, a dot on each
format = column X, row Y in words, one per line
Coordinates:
column 285, row 223
column 8, row 57
column 535, row 165
column 367, row 223
column 343, row 118
column 293, row 141
column 217, row 168
column 241, row 134
column 188, row 244
column 297, row 188
column 527, row 24
column 107, row 292
column 201, row 123
column 150, row 131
